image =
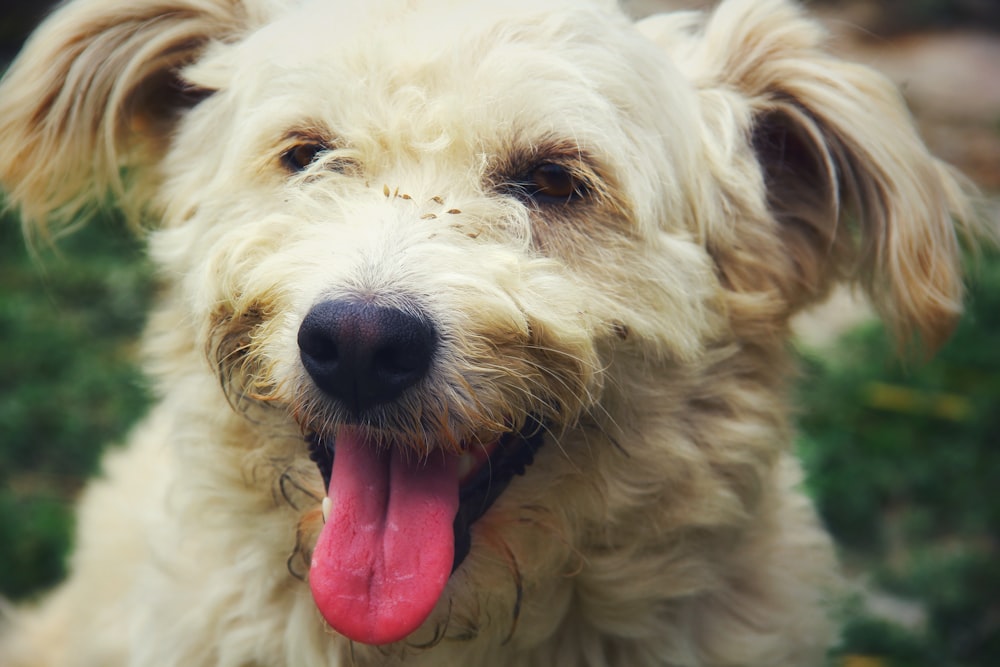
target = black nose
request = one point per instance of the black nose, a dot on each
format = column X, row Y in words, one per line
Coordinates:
column 364, row 354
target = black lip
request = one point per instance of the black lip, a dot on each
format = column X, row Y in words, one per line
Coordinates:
column 514, row 453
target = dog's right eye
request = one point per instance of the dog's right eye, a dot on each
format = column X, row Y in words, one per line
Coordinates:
column 300, row 156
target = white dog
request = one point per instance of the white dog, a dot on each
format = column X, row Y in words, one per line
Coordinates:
column 472, row 341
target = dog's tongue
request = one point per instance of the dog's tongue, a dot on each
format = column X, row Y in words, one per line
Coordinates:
column 387, row 549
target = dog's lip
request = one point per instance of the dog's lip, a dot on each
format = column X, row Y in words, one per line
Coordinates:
column 484, row 472
column 510, row 457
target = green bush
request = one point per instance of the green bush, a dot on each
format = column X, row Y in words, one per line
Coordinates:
column 904, row 466
column 69, row 319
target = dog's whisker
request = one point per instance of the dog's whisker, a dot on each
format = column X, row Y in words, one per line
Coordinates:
column 287, row 483
column 291, row 566
column 440, row 632
column 299, row 557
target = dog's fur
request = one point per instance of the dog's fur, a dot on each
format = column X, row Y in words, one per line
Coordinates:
column 729, row 172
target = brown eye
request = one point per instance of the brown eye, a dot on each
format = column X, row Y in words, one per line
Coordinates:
column 552, row 182
column 301, row 156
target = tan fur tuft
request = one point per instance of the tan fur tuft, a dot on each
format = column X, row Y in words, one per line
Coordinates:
column 854, row 190
column 94, row 96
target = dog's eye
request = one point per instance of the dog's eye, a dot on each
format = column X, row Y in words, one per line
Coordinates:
column 301, row 156
column 550, row 182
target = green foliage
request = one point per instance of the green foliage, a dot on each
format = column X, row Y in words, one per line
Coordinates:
column 68, row 383
column 884, row 643
column 904, row 467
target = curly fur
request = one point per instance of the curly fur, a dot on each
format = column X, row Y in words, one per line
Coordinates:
column 735, row 172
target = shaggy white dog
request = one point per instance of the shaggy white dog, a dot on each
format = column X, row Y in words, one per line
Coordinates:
column 472, row 342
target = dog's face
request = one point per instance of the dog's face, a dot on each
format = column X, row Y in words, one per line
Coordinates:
column 472, row 166
column 421, row 236
column 494, row 261
column 477, row 183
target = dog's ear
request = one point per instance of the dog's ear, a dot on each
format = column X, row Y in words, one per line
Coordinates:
column 93, row 95
column 824, row 175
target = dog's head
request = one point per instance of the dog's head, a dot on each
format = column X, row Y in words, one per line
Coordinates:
column 445, row 238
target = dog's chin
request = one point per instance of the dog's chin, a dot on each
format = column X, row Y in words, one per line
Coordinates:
column 398, row 524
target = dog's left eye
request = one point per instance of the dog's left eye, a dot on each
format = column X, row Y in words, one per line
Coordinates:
column 301, row 156
column 550, row 182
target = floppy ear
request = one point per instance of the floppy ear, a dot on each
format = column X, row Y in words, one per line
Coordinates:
column 822, row 162
column 93, row 96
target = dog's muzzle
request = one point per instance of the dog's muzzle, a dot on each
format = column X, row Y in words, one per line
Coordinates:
column 397, row 524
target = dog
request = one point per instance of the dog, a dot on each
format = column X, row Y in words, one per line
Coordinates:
column 472, row 341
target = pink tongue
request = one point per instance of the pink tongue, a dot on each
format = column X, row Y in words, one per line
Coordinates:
column 386, row 551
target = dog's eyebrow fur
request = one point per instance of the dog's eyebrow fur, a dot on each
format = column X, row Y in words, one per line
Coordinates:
column 312, row 133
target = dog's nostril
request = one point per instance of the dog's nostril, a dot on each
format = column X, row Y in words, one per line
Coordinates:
column 395, row 361
column 364, row 354
column 318, row 344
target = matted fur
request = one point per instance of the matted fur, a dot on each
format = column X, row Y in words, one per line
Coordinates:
column 734, row 173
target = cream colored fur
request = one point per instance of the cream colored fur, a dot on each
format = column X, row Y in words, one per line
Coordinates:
column 736, row 172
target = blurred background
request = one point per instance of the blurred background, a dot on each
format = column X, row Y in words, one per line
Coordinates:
column 903, row 460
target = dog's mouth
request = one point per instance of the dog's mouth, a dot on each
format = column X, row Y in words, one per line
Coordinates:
column 396, row 526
